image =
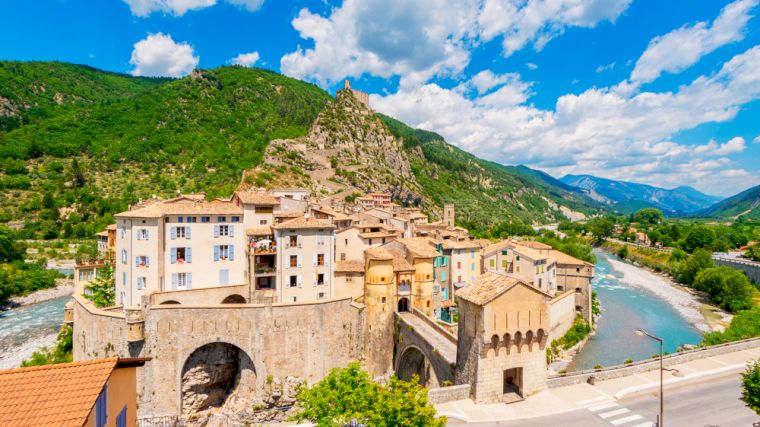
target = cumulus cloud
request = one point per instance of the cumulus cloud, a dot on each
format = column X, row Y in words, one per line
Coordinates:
column 756, row 140
column 606, row 67
column 683, row 47
column 159, row 55
column 536, row 22
column 180, row 7
column 598, row 131
column 531, row 66
column 246, row 59
column 389, row 38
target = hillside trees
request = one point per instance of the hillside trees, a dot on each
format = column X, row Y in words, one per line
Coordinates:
column 729, row 288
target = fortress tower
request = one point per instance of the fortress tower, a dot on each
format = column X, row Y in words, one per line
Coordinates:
column 448, row 214
column 360, row 96
column 379, row 301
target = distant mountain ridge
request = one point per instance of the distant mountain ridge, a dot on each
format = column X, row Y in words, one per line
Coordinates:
column 628, row 197
column 745, row 204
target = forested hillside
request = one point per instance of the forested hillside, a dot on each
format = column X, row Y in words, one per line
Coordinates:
column 78, row 144
column 745, row 205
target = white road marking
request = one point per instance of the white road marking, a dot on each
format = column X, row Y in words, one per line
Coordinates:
column 620, row 411
column 603, row 406
column 646, row 424
column 592, row 400
column 626, row 420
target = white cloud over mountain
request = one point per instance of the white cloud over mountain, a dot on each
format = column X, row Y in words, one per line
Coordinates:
column 159, row 55
column 246, row 59
column 597, row 131
column 180, row 7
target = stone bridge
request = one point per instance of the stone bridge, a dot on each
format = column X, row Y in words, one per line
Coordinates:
column 424, row 348
column 750, row 268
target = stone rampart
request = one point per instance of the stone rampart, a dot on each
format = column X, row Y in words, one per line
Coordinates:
column 652, row 364
column 561, row 314
column 448, row 394
column 202, row 296
column 301, row 340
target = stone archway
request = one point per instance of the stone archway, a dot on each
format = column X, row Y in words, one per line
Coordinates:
column 413, row 361
column 234, row 299
column 216, row 375
column 403, row 305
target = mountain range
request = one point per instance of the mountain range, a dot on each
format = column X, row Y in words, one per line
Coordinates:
column 627, row 197
column 745, row 204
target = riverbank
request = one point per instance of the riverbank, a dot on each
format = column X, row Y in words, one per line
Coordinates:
column 63, row 288
column 13, row 359
column 704, row 317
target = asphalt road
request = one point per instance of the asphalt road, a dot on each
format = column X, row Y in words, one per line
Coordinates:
column 710, row 403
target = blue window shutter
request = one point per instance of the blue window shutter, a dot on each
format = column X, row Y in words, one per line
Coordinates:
column 173, row 256
column 138, row 235
column 189, row 280
column 231, row 230
column 124, row 278
column 232, row 252
column 187, row 233
column 174, row 281
column 216, row 231
column 188, row 255
column 137, row 261
column 173, row 232
column 224, row 277
column 216, row 252
column 121, row 419
column 147, row 234
column 180, row 219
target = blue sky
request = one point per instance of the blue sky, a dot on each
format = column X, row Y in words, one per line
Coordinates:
column 665, row 93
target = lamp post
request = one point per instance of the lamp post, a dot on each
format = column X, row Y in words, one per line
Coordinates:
column 642, row 333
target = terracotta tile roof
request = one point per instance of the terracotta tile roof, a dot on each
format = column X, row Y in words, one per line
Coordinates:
column 102, row 233
column 350, row 266
column 337, row 216
column 535, row 245
column 495, row 247
column 257, row 198
column 377, row 234
column 52, row 395
column 420, row 247
column 287, row 214
column 529, row 252
column 181, row 206
column 448, row 303
column 111, row 227
column 486, row 288
column 459, row 244
column 303, row 223
column 259, row 231
column 563, row 258
column 378, row 253
column 399, row 261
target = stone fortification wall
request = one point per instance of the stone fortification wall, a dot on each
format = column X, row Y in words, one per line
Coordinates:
column 648, row 365
column 448, row 394
column 751, row 269
column 203, row 296
column 301, row 340
column 561, row 314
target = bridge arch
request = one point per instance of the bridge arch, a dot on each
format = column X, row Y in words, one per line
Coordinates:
column 414, row 362
column 424, row 350
column 212, row 374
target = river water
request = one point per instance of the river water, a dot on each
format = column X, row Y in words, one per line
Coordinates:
column 28, row 323
column 624, row 309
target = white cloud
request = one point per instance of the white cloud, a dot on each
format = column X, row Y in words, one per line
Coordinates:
column 756, row 140
column 246, row 59
column 180, row 7
column 427, row 38
column 682, row 48
column 538, row 21
column 159, row 55
column 531, row 66
column 606, row 67
column 597, row 131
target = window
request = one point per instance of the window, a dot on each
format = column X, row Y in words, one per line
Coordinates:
column 518, row 268
column 504, row 252
column 123, row 231
column 321, row 295
column 293, row 281
column 578, row 290
column 342, row 256
column 294, row 260
column 293, row 241
column 179, row 233
column 577, row 269
column 142, row 234
column 472, row 267
column 459, row 264
column 140, row 283
column 443, row 275
column 180, row 219
column 124, row 278
column 540, row 282
column 262, row 222
column 181, row 255
column 295, row 299
column 182, row 280
column 492, row 263
column 224, row 277
column 320, row 279
column 142, row 261
column 224, row 230
column 349, row 278
column 121, row 419
column 235, row 219
column 221, row 219
column 382, row 300
column 504, row 264
column 205, row 219
column 224, row 252
column 123, row 256
column 101, row 408
column 320, row 259
column 192, row 219
column 472, row 253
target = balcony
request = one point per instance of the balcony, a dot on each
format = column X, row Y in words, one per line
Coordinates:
column 263, row 247
column 264, row 270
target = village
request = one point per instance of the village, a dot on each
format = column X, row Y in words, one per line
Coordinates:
column 228, row 296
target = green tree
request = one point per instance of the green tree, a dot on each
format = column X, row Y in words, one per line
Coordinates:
column 77, row 175
column 349, row 393
column 10, row 248
column 729, row 288
column 753, row 252
column 102, row 289
column 751, row 386
column 696, row 262
column 648, row 216
column 745, row 324
column 700, row 236
column 623, row 252
column 61, row 353
column 601, row 229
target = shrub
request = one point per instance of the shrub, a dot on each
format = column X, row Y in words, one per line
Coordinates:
column 729, row 288
column 751, row 386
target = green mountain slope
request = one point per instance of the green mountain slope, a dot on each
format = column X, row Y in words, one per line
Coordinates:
column 33, row 91
column 745, row 204
column 66, row 167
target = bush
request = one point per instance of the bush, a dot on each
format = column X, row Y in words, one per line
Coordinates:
column 751, row 386
column 61, row 353
column 686, row 272
column 729, row 288
column 745, row 324
column 622, row 252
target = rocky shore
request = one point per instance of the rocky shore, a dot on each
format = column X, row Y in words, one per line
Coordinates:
column 64, row 287
column 24, row 351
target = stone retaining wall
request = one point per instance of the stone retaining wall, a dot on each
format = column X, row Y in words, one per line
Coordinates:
column 435, row 326
column 448, row 394
column 751, row 269
column 652, row 364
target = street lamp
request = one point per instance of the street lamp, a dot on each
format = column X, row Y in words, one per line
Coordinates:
column 642, row 333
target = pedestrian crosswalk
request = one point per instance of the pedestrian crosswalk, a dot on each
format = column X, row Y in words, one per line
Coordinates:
column 617, row 415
